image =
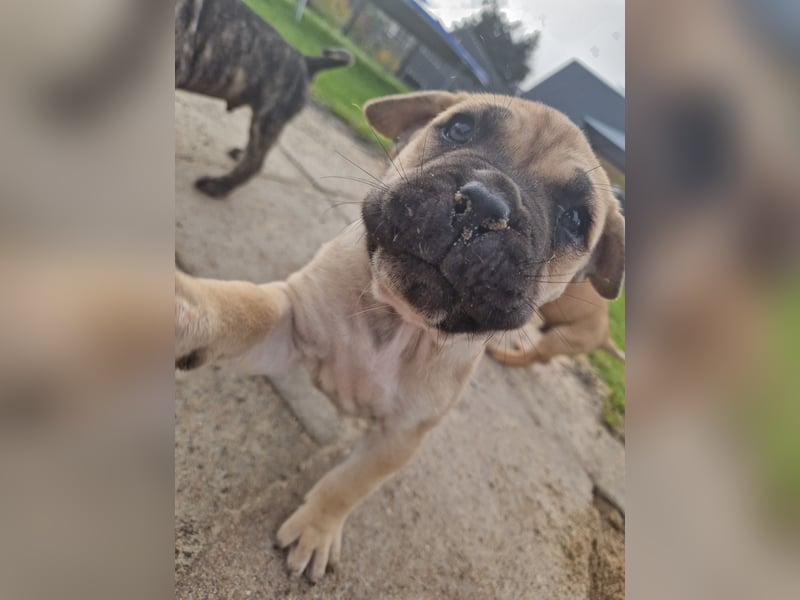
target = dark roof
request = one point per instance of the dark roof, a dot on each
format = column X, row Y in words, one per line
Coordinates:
column 591, row 103
column 470, row 42
column 428, row 30
column 576, row 91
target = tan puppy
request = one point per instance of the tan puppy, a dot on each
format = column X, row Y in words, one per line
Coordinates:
column 575, row 323
column 493, row 204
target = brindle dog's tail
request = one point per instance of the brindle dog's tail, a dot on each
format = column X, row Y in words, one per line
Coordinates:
column 331, row 58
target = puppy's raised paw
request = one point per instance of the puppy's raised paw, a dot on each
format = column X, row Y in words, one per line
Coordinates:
column 315, row 539
column 193, row 327
column 190, row 361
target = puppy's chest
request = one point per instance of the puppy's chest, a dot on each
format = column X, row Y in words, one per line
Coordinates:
column 364, row 377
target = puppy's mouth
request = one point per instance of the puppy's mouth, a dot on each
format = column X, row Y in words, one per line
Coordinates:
column 424, row 296
column 454, row 253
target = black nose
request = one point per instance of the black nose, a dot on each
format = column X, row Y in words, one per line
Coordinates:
column 483, row 203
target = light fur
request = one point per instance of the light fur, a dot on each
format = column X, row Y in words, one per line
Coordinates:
column 367, row 348
column 576, row 323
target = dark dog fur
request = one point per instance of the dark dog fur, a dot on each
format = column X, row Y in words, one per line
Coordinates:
column 223, row 49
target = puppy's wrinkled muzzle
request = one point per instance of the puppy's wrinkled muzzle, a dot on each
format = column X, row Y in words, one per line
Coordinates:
column 456, row 241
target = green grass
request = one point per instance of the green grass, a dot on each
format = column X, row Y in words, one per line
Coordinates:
column 342, row 91
column 610, row 369
column 770, row 415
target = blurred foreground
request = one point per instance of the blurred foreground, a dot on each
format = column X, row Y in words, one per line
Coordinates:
column 713, row 212
column 86, row 250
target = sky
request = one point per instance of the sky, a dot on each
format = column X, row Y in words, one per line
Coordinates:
column 590, row 30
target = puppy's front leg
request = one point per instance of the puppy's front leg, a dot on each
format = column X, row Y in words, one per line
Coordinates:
column 229, row 321
column 317, row 525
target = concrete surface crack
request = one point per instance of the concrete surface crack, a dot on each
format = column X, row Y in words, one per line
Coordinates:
column 299, row 166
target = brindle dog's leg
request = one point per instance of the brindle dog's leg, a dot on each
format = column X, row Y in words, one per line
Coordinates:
column 231, row 321
column 264, row 130
column 317, row 525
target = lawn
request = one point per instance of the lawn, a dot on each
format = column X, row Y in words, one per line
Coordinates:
column 611, row 370
column 343, row 91
column 769, row 411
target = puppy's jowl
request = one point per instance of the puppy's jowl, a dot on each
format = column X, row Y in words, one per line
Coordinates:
column 496, row 205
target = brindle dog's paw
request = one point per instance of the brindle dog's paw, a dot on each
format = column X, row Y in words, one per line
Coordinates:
column 216, row 187
column 317, row 540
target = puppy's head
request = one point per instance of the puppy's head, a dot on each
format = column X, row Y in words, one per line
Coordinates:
column 493, row 205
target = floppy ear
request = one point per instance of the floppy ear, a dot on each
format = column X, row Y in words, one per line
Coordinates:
column 392, row 115
column 607, row 267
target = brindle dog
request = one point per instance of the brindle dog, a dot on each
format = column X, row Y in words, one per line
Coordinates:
column 494, row 206
column 225, row 50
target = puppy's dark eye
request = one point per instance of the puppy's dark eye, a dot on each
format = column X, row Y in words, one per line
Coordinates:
column 574, row 222
column 459, row 129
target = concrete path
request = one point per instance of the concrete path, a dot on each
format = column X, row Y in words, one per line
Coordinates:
column 516, row 495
